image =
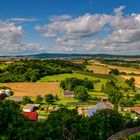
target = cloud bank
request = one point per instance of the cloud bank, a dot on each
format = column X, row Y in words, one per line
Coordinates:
column 97, row 33
column 114, row 33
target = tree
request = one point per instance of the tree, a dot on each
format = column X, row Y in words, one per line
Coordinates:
column 81, row 93
column 67, row 125
column 49, row 98
column 131, row 82
column 105, row 123
column 114, row 71
column 26, row 100
column 38, row 99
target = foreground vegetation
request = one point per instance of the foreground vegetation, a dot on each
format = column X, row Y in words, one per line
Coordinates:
column 63, row 124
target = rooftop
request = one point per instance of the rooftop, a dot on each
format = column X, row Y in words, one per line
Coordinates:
column 33, row 116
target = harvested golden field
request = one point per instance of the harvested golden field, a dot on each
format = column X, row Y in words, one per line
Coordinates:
column 125, row 69
column 137, row 78
column 98, row 69
column 33, row 89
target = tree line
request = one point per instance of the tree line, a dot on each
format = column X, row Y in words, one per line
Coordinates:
column 33, row 70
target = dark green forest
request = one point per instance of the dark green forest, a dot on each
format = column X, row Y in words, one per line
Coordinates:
column 33, row 70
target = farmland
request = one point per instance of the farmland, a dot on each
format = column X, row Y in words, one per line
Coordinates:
column 33, row 89
column 60, row 77
column 98, row 69
column 137, row 78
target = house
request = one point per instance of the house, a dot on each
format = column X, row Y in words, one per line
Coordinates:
column 86, row 111
column 2, row 91
column 2, row 96
column 68, row 94
column 134, row 109
column 137, row 113
column 100, row 106
column 30, row 107
column 106, row 105
column 33, row 116
column 105, row 99
column 6, row 91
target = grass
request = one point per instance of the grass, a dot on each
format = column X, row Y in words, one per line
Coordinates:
column 2, row 66
column 60, row 77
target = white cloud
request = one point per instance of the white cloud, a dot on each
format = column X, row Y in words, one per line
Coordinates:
column 23, row 19
column 60, row 18
column 118, row 11
column 85, row 33
column 11, row 40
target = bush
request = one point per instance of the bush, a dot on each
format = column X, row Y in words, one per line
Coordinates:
column 134, row 136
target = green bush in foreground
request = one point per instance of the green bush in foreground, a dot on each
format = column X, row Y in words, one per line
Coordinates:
column 134, row 136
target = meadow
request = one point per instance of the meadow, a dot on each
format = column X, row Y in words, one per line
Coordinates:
column 60, row 77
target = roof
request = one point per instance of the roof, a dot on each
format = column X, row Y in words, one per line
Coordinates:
column 3, row 96
column 30, row 106
column 101, row 106
column 138, row 112
column 67, row 92
column 33, row 116
column 91, row 111
column 135, row 109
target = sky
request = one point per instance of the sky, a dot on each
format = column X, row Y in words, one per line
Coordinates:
column 70, row 26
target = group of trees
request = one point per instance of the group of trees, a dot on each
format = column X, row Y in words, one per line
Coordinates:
column 114, row 71
column 72, row 83
column 49, row 99
column 131, row 82
column 79, row 86
column 33, row 70
column 116, row 96
column 63, row 124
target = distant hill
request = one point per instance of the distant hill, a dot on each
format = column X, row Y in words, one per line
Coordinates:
column 68, row 56
column 54, row 55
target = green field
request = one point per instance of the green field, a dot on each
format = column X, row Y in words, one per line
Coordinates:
column 2, row 66
column 60, row 77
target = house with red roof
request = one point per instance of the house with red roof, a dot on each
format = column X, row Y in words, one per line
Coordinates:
column 33, row 116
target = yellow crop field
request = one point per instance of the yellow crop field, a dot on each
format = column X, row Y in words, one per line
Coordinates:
column 33, row 89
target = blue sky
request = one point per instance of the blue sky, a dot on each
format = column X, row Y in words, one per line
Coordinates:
column 69, row 26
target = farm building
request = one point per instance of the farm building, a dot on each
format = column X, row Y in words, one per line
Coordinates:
column 137, row 113
column 86, row 111
column 2, row 96
column 68, row 94
column 33, row 116
column 105, row 99
column 6, row 91
column 89, row 111
column 100, row 106
column 30, row 107
column 134, row 109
